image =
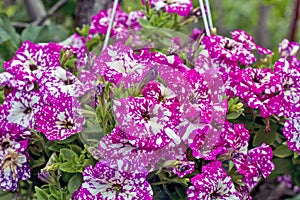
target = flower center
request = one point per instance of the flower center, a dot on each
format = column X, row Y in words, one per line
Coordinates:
column 5, row 145
column 33, row 67
column 69, row 81
column 117, row 188
column 10, row 161
column 146, row 116
column 27, row 111
column 68, row 125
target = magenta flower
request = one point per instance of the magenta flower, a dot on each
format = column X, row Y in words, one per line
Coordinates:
column 288, row 49
column 236, row 138
column 290, row 79
column 14, row 160
column 207, row 143
column 9, row 80
column 105, row 183
column 248, row 41
column 31, row 59
column 20, row 107
column 123, row 22
column 119, row 63
column 116, row 147
column 60, row 119
column 181, row 7
column 212, row 183
column 227, row 50
column 291, row 131
column 255, row 164
column 61, row 82
column 260, row 88
column 147, row 125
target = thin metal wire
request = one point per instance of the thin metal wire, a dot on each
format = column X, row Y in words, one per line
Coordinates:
column 204, row 17
column 209, row 14
column 112, row 17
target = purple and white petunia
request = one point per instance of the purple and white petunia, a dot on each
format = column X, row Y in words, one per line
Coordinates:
column 119, row 63
column 147, row 124
column 181, row 7
column 32, row 59
column 248, row 41
column 122, row 24
column 291, row 131
column 212, row 183
column 20, row 107
column 61, row 82
column 260, row 88
column 290, row 79
column 227, row 50
column 14, row 160
column 105, row 183
column 61, row 119
column 255, row 164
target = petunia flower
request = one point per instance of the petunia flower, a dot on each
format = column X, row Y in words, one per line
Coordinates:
column 61, row 119
column 248, row 41
column 105, row 183
column 20, row 107
column 212, row 183
column 290, row 79
column 291, row 131
column 61, row 82
column 119, row 63
column 147, row 125
column 260, row 88
column 31, row 59
column 181, row 7
column 255, row 164
column 14, row 160
column 207, row 143
column 122, row 24
column 227, row 50
column 288, row 49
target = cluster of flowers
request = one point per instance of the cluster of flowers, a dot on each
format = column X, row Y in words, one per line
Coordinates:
column 174, row 109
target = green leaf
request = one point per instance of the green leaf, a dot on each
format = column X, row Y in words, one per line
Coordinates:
column 67, row 154
column 283, row 151
column 37, row 163
column 41, row 194
column 67, row 167
column 55, row 147
column 282, row 165
column 75, row 148
column 54, row 191
column 68, row 140
column 8, row 29
column 31, row 33
column 261, row 137
column 233, row 115
column 6, row 195
column 144, row 23
column 74, row 183
column 4, row 36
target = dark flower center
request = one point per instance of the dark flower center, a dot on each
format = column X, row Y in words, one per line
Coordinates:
column 214, row 195
column 161, row 98
column 228, row 46
column 146, row 116
column 5, row 145
column 69, row 81
column 68, row 125
column 117, row 188
column 27, row 111
column 33, row 67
